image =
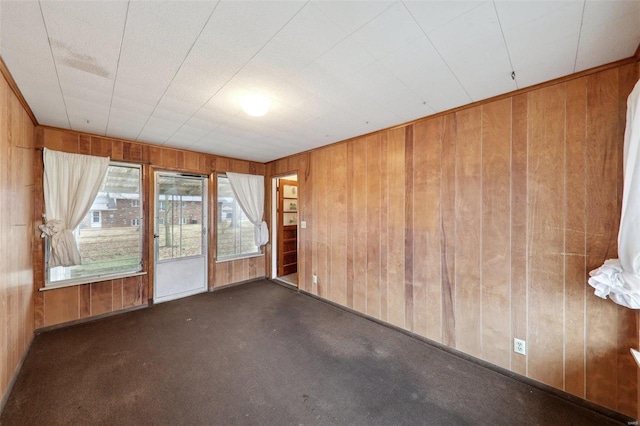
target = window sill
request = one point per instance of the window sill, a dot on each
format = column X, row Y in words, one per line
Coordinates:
column 81, row 281
column 247, row 256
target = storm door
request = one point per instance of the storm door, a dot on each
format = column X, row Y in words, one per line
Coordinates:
column 180, row 236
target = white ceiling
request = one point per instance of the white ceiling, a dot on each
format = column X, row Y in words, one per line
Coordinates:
column 172, row 72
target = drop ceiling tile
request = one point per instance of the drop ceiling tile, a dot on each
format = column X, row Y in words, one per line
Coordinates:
column 307, row 36
column 378, row 83
column 545, row 62
column 132, row 105
column 22, row 29
column 432, row 15
column 235, row 33
column 155, row 135
column 481, row 63
column 351, row 15
column 598, row 12
column 274, row 87
column 317, row 80
column 388, row 32
column 74, row 28
column 514, row 15
column 36, row 78
column 601, row 44
column 419, row 66
column 542, row 38
column 345, row 58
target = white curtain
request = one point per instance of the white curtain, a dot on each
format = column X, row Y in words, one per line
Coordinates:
column 249, row 192
column 620, row 278
column 71, row 183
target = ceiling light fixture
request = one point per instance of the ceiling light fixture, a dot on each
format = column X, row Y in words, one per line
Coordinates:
column 255, row 105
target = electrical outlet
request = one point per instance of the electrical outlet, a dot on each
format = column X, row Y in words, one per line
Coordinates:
column 519, row 346
column 315, row 279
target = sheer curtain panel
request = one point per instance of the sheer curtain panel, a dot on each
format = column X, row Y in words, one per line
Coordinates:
column 71, row 183
column 249, row 192
column 620, row 278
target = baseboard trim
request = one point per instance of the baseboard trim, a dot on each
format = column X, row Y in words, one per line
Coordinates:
column 89, row 319
column 605, row 411
column 14, row 376
column 222, row 287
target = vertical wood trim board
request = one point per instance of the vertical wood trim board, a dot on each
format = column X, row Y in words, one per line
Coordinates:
column 481, row 225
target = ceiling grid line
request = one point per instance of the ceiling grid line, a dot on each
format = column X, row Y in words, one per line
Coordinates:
column 178, row 70
column 236, row 73
column 175, row 73
column 115, row 77
column 514, row 76
column 55, row 65
column 439, row 53
column 575, row 61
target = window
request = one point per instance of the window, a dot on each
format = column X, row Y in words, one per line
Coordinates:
column 161, row 221
column 134, row 203
column 235, row 231
column 112, row 246
column 183, row 220
column 96, row 218
column 161, row 205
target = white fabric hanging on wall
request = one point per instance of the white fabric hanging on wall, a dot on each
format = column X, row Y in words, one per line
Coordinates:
column 620, row 278
column 71, row 183
column 249, row 192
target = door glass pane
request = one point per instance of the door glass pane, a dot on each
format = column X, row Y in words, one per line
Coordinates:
column 179, row 216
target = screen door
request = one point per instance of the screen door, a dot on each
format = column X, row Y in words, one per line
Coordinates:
column 180, row 236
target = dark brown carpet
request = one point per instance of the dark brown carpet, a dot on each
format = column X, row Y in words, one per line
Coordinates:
column 262, row 354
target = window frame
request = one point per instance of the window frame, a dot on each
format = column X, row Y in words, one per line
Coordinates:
column 236, row 256
column 48, row 284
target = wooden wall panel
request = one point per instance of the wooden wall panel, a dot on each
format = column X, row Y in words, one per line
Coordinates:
column 496, row 339
column 482, row 225
column 373, row 215
column 395, row 301
column 428, row 208
column 468, row 228
column 17, row 142
column 574, row 234
column 357, row 235
column 546, row 243
column 56, row 306
column 519, row 235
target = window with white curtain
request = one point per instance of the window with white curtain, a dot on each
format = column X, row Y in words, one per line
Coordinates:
column 235, row 236
column 115, row 247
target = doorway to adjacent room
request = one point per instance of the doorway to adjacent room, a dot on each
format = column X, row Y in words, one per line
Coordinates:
column 285, row 229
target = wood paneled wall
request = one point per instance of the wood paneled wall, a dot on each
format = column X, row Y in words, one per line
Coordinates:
column 67, row 304
column 477, row 226
column 17, row 140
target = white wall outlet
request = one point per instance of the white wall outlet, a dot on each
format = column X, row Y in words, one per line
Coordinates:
column 315, row 279
column 519, row 346
column 303, row 224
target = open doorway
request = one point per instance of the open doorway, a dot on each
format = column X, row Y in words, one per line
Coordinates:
column 285, row 229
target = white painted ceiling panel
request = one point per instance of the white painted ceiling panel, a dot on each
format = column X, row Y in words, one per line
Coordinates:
column 388, row 32
column 481, row 62
column 173, row 72
column 600, row 44
column 432, row 15
column 542, row 38
column 420, row 67
column 22, row 29
column 352, row 15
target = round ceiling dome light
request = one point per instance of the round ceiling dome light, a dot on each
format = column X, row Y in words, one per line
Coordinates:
column 255, row 105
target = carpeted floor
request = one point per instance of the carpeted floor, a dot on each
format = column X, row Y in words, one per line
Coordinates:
column 263, row 354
